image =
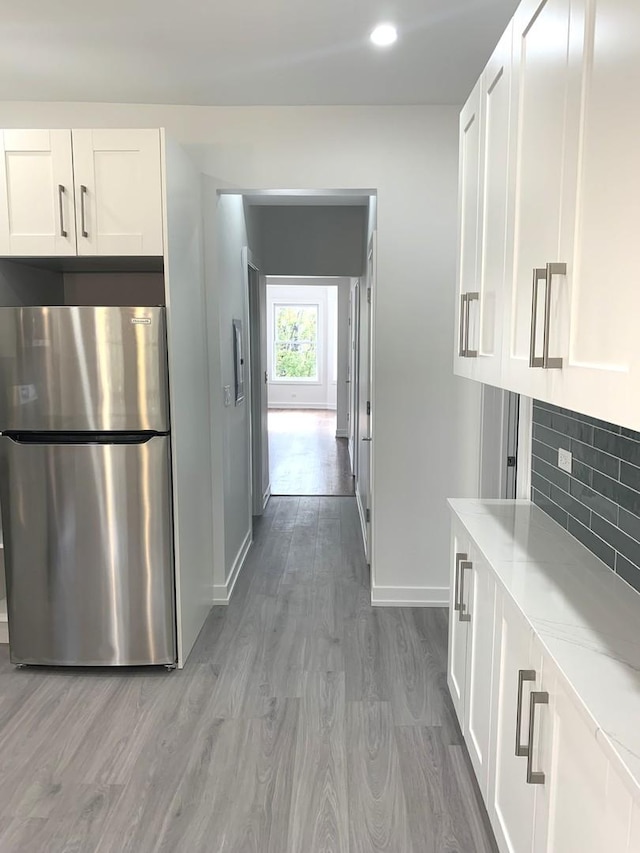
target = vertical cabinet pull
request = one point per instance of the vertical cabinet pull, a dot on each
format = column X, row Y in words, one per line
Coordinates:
column 465, row 306
column 463, row 613
column 463, row 316
column 456, row 589
column 546, row 275
column 538, row 275
column 469, row 353
column 552, row 269
column 61, row 191
column 83, row 193
column 522, row 750
column 534, row 777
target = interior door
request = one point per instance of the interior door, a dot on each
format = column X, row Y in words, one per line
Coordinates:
column 354, row 377
column 118, row 187
column 36, row 193
column 261, row 486
column 363, row 481
column 546, row 75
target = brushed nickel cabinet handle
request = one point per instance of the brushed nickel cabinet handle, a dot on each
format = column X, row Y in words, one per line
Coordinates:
column 523, row 675
column 538, row 275
column 534, row 777
column 551, row 270
column 456, row 588
column 463, row 614
column 470, row 353
column 61, row 191
column 83, row 193
column 463, row 313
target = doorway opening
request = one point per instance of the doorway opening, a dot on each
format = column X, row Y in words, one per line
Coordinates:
column 307, row 357
column 309, row 262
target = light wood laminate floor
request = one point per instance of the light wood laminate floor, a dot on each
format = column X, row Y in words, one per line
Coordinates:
column 304, row 721
column 305, row 457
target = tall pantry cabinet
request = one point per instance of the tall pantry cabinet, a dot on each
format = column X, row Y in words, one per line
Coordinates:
column 565, row 309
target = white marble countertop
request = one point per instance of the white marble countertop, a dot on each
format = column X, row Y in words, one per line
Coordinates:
column 585, row 616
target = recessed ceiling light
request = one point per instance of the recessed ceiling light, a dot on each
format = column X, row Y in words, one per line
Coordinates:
column 384, row 35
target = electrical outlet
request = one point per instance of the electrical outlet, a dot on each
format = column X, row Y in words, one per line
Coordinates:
column 564, row 460
column 227, row 395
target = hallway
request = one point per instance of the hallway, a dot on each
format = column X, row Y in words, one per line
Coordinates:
column 305, row 457
column 304, row 721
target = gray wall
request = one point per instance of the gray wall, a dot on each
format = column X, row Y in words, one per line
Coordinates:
column 301, row 241
column 599, row 502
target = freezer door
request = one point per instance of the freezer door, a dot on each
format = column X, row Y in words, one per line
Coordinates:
column 83, row 369
column 88, row 552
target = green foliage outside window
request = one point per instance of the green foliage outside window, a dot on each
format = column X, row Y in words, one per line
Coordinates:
column 296, row 342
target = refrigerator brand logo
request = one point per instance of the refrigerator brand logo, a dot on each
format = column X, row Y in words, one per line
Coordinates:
column 141, row 321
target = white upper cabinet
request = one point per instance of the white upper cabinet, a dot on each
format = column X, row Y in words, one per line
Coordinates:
column 469, row 231
column 545, row 141
column 37, row 215
column 118, row 190
column 81, row 192
column 558, row 126
column 601, row 374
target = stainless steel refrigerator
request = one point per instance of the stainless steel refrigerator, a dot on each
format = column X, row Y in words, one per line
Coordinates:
column 85, row 486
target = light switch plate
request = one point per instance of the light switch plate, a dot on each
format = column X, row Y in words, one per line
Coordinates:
column 227, row 395
column 564, row 460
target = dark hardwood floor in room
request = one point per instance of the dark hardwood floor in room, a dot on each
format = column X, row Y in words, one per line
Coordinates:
column 304, row 721
column 305, row 457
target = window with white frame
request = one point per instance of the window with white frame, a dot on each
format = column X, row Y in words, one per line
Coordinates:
column 295, row 342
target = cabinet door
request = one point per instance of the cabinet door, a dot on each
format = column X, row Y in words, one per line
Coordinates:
column 458, row 628
column 480, row 593
column 118, row 192
column 496, row 111
column 469, row 232
column 601, row 375
column 511, row 801
column 571, row 806
column 547, row 58
column 36, row 193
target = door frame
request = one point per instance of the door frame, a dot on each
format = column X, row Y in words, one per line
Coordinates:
column 258, row 498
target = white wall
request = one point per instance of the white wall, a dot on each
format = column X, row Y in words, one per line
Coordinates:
column 227, row 228
column 308, row 240
column 425, row 421
column 321, row 394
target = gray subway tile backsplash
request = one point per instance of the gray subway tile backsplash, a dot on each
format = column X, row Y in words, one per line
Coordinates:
column 599, row 503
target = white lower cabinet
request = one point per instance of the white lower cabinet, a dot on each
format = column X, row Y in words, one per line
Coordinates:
column 471, row 651
column 547, row 784
column 517, row 672
column 480, row 609
column 458, row 629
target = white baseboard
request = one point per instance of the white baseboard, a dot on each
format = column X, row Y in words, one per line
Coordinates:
column 410, row 596
column 222, row 592
column 342, row 433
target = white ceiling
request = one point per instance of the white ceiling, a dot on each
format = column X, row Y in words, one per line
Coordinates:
column 241, row 52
